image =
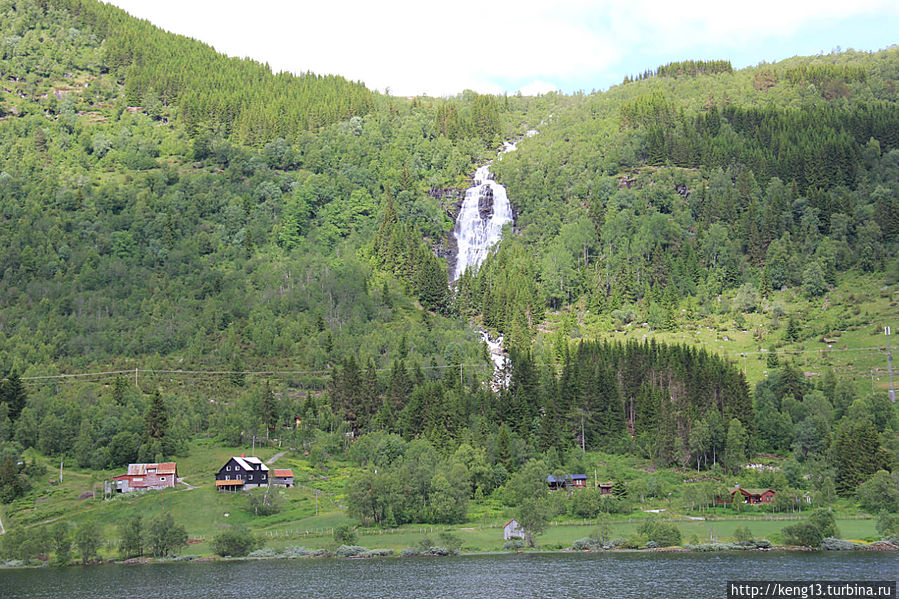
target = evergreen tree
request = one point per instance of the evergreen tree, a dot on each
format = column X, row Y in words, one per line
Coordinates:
column 857, row 455
column 12, row 393
column 156, row 418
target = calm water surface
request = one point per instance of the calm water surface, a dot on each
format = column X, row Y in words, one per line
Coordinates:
column 627, row 575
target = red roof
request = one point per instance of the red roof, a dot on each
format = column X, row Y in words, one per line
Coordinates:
column 144, row 469
column 284, row 473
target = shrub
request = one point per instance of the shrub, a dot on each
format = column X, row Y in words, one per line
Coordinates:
column 350, row 550
column 634, row 541
column 802, row 533
column 742, row 534
column 833, row 544
column 451, row 541
column 664, row 534
column 345, row 534
column 234, row 542
column 264, row 502
column 510, row 545
column 823, row 520
column 586, row 544
column 880, row 492
column 295, row 551
column 888, row 524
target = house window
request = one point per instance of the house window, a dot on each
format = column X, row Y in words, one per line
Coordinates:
column 228, row 468
column 161, row 478
column 227, row 477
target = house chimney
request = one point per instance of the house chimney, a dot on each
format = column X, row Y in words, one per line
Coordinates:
column 243, row 455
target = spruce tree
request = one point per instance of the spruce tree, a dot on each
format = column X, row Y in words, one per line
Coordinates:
column 156, row 418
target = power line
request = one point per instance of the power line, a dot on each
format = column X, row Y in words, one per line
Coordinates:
column 57, row 378
column 54, row 378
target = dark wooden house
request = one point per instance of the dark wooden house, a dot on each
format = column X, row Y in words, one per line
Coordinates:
column 242, row 473
column 574, row 480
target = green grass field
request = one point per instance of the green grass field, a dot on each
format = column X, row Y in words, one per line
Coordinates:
column 204, row 512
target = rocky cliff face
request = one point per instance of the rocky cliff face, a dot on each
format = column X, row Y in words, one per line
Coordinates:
column 485, row 203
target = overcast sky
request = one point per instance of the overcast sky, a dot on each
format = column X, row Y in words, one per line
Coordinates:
column 442, row 48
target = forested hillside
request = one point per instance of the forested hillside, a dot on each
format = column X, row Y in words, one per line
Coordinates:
column 216, row 251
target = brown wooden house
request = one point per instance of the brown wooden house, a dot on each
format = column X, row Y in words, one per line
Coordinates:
column 750, row 496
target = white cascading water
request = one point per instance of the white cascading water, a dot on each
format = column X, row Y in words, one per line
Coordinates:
column 474, row 233
column 479, row 226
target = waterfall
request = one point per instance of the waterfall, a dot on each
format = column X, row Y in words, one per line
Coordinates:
column 484, row 212
column 479, row 227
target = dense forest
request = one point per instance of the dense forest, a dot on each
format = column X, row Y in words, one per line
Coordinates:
column 239, row 253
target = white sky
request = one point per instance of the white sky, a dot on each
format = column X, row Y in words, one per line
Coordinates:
column 446, row 47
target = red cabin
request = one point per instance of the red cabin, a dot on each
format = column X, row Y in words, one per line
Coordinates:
column 146, row 476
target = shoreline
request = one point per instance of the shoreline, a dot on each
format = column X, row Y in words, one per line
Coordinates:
column 877, row 546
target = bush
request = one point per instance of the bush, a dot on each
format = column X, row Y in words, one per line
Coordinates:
column 880, row 493
column 263, row 502
column 833, row 544
column 345, row 534
column 510, row 545
column 295, row 551
column 587, row 544
column 664, row 534
column 350, row 550
column 802, row 533
column 634, row 541
column 888, row 525
column 234, row 542
column 824, row 521
column 742, row 534
column 451, row 541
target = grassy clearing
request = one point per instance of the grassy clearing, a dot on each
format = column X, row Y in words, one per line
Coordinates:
column 852, row 315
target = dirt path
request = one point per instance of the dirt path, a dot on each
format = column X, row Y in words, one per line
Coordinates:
column 275, row 458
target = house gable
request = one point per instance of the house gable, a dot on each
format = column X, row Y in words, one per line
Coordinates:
column 252, row 472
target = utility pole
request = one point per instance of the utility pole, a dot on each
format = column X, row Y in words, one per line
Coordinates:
column 60, row 469
column 887, row 331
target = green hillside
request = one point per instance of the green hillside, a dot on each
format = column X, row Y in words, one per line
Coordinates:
column 200, row 256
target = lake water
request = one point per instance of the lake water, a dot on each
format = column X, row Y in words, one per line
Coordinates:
column 552, row 575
